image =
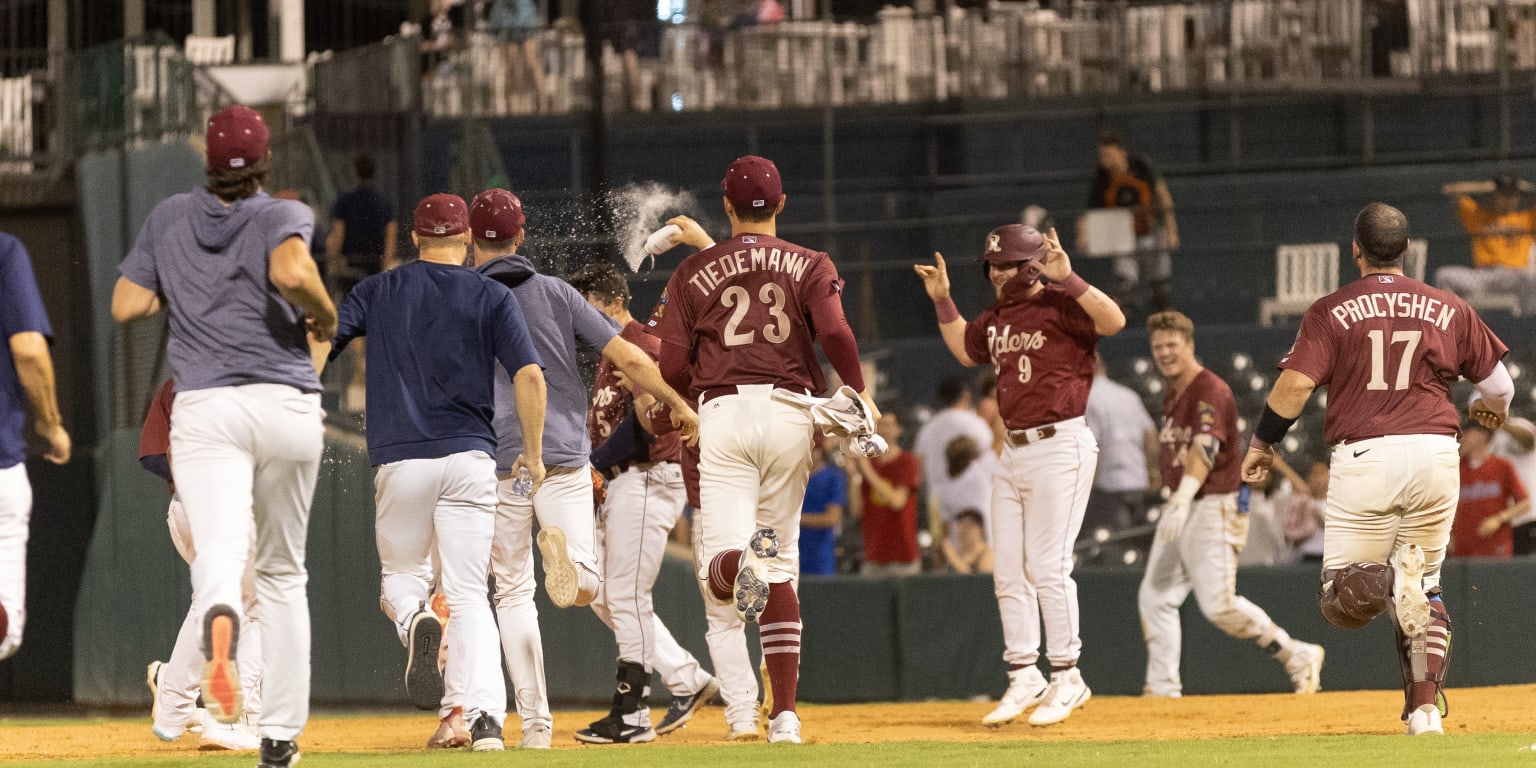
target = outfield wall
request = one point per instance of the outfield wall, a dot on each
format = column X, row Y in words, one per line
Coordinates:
column 865, row 640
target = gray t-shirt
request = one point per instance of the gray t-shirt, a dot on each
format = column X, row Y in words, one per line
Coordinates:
column 229, row 324
column 557, row 318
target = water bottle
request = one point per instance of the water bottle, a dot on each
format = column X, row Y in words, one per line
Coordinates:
column 663, row 240
column 522, row 483
column 1244, row 493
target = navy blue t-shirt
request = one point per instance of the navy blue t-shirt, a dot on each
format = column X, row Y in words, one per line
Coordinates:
column 435, row 333
column 21, row 311
column 364, row 214
column 818, row 546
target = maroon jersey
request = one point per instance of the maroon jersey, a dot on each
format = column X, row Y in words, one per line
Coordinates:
column 743, row 307
column 1042, row 348
column 1205, row 407
column 1388, row 348
column 155, row 439
column 611, row 402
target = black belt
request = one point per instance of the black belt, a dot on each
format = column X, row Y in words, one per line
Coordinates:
column 1021, row 437
column 619, row 469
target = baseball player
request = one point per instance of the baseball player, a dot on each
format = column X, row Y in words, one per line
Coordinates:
column 645, row 498
column 1202, row 528
column 1388, row 348
column 26, row 376
column 174, row 685
column 558, row 318
column 438, row 330
column 1040, row 339
column 232, row 265
column 738, row 321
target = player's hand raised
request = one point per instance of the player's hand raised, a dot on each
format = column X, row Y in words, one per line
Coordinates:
column 686, row 422
column 1482, row 414
column 1256, row 464
column 935, row 278
column 693, row 234
column 1057, row 266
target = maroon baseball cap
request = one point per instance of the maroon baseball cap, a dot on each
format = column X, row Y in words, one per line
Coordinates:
column 496, row 214
column 441, row 215
column 1014, row 243
column 237, row 137
column 752, row 183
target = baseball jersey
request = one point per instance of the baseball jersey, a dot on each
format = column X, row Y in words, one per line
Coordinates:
column 890, row 534
column 21, row 311
column 558, row 318
column 611, row 402
column 818, row 546
column 750, row 288
column 229, row 325
column 1042, row 348
column 155, row 437
column 1486, row 490
column 435, row 333
column 1205, row 407
column 1388, row 348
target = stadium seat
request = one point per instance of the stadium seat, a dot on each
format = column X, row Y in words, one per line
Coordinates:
column 1304, row 273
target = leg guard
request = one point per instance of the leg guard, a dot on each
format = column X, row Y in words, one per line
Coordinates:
column 1424, row 664
column 1351, row 596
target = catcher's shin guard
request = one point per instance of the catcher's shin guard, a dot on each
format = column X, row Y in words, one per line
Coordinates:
column 1425, row 661
column 1353, row 595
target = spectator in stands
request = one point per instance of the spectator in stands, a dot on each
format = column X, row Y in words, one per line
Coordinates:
column 821, row 514
column 986, row 406
column 1491, row 496
column 518, row 24
column 887, row 510
column 1516, row 443
column 1124, row 180
column 628, row 26
column 1127, row 455
column 1301, row 511
column 1502, row 234
column 440, row 35
column 949, row 492
column 363, row 231
column 1267, row 544
column 969, row 552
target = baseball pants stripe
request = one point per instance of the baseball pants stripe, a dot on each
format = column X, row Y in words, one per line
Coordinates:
column 15, row 517
column 249, row 453
column 1390, row 491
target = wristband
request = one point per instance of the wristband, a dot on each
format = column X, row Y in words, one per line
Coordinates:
column 1272, row 426
column 946, row 310
column 1074, row 285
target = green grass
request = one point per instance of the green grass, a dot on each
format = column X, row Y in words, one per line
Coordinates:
column 1481, row 750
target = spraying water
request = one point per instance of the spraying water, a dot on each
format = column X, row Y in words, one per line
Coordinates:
column 639, row 210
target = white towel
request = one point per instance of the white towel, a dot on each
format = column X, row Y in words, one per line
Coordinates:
column 841, row 415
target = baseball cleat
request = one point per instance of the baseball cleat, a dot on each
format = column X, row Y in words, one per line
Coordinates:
column 423, row 681
column 1067, row 693
column 162, row 732
column 743, row 732
column 1306, row 668
column 1026, row 689
column 485, row 735
column 681, row 710
column 222, row 693
column 613, row 730
column 451, row 733
column 235, row 738
column 1425, row 721
column 535, row 737
column 784, row 729
column 560, row 578
column 278, row 754
column 1410, row 606
column 751, row 589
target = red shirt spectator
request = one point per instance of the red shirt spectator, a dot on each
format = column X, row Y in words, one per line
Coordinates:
column 1491, row 494
column 889, row 494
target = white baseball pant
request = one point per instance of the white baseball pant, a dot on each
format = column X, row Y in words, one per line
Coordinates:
column 564, row 501
column 1203, row 559
column 181, row 677
column 1389, row 491
column 642, row 506
column 754, row 462
column 1039, row 497
column 246, row 459
column 726, row 635
column 439, row 514
column 15, row 517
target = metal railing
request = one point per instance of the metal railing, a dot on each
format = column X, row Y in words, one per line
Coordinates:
column 1011, row 50
column 134, row 91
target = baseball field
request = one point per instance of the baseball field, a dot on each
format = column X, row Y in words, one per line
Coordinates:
column 1486, row 727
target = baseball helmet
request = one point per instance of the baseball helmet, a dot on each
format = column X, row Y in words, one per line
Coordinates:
column 1015, row 244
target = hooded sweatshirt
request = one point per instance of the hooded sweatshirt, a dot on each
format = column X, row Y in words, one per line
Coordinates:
column 229, row 325
column 557, row 318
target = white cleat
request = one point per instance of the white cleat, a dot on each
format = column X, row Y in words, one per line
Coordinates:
column 1306, row 668
column 744, row 732
column 1425, row 721
column 537, row 737
column 162, row 731
column 784, row 729
column 1410, row 606
column 751, row 588
column 236, row 738
column 561, row 580
column 1026, row 688
column 1067, row 693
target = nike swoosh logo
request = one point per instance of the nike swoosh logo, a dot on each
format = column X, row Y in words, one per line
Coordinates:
column 1358, row 454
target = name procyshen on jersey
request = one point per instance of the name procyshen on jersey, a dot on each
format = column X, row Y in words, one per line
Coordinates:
column 711, row 275
column 1414, row 306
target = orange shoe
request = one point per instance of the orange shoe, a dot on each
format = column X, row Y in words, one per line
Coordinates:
column 452, row 733
column 222, row 694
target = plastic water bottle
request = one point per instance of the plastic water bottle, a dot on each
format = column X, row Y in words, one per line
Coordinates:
column 663, row 240
column 1244, row 493
column 522, row 483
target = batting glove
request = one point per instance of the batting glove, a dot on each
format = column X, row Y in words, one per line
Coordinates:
column 1176, row 511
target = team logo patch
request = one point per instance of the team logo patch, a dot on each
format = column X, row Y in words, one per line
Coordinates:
column 1207, row 414
column 994, row 243
column 661, row 308
column 1384, row 278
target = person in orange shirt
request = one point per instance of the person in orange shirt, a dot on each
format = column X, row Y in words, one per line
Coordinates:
column 1502, row 236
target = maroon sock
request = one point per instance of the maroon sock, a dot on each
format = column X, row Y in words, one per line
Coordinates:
column 1437, row 656
column 780, row 630
column 722, row 574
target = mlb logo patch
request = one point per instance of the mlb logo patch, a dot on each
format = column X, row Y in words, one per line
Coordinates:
column 748, row 239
